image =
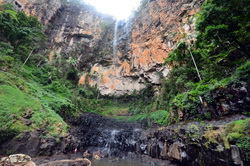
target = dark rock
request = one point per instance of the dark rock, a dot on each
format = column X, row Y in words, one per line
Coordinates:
column 27, row 143
column 26, row 122
column 179, row 143
column 32, row 144
column 28, row 114
column 46, row 149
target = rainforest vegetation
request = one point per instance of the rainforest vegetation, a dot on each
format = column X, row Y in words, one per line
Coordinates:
column 47, row 91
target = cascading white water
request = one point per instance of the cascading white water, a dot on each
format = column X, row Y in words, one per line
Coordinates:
column 126, row 27
column 111, row 140
column 113, row 134
column 115, row 42
column 127, row 30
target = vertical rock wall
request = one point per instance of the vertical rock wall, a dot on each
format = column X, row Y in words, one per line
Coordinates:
column 143, row 42
column 76, row 31
column 44, row 10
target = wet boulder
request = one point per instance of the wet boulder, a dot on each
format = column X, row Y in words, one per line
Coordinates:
column 176, row 151
column 16, row 160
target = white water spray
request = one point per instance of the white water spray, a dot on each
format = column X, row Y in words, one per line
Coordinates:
column 115, row 42
column 111, row 140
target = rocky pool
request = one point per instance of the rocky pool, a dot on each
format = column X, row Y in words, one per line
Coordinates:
column 106, row 162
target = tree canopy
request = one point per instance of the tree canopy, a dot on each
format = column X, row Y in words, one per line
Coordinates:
column 20, row 32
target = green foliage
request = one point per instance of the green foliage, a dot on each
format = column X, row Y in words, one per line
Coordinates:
column 6, row 53
column 55, row 93
column 14, row 102
column 224, row 25
column 241, row 74
column 181, row 79
column 50, row 90
column 189, row 101
column 221, row 54
column 6, row 49
column 160, row 117
column 21, row 32
column 179, row 56
column 239, row 131
column 142, row 99
column 14, row 99
column 143, row 3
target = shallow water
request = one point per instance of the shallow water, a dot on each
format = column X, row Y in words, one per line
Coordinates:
column 105, row 162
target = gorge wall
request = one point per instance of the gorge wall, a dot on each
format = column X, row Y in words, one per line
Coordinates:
column 143, row 42
column 77, row 31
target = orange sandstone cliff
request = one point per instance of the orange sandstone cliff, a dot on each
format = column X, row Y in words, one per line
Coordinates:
column 143, row 41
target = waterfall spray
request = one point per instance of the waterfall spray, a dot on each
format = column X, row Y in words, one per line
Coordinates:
column 115, row 42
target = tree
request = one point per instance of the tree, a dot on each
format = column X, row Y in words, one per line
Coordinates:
column 24, row 33
column 224, row 24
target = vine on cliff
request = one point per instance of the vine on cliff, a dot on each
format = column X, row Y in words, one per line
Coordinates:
column 221, row 53
column 220, row 50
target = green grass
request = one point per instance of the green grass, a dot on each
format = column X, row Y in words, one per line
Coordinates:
column 160, row 117
column 234, row 132
column 115, row 110
column 238, row 131
column 237, row 128
column 18, row 94
column 13, row 99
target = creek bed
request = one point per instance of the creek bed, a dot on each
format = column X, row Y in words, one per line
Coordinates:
column 102, row 162
column 107, row 162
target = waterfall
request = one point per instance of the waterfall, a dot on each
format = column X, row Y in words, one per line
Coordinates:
column 111, row 140
column 127, row 31
column 115, row 42
column 126, row 27
column 115, row 140
column 236, row 154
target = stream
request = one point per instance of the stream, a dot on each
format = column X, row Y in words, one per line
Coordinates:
column 103, row 162
column 106, row 162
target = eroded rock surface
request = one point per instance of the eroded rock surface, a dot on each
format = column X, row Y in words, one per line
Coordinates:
column 78, row 31
column 34, row 144
column 44, row 10
column 143, row 42
column 17, row 160
column 186, row 144
column 74, row 29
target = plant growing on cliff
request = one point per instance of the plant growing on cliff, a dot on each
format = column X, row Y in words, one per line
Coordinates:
column 22, row 32
column 143, row 3
column 224, row 25
column 220, row 51
column 238, row 132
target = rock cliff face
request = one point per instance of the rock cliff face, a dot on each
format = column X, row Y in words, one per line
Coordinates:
column 74, row 29
column 44, row 10
column 121, row 56
column 33, row 144
column 143, row 42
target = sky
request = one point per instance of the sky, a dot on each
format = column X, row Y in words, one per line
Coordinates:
column 121, row 9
